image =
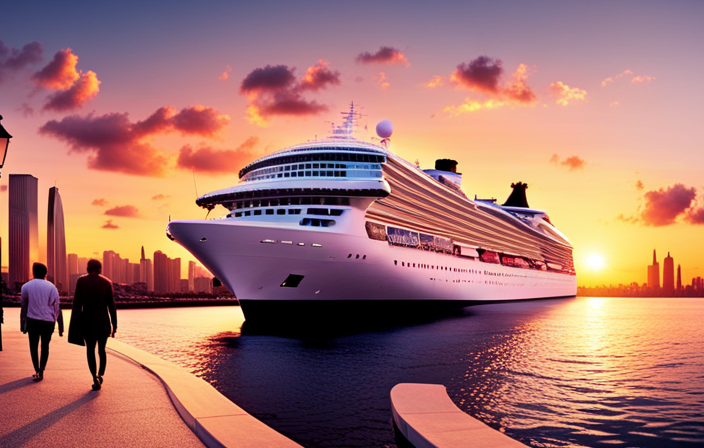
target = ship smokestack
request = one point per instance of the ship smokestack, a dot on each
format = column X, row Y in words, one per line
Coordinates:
column 446, row 165
column 518, row 196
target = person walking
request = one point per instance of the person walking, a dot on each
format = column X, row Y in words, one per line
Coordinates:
column 40, row 312
column 93, row 317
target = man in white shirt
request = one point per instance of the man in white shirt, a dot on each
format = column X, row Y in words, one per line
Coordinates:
column 40, row 311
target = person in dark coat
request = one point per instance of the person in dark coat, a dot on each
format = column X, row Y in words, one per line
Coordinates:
column 94, row 306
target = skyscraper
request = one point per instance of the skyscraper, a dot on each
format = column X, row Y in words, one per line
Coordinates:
column 146, row 272
column 679, row 277
column 654, row 273
column 191, row 275
column 56, row 260
column 23, row 228
column 668, row 274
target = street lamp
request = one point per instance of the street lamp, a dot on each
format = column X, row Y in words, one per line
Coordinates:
column 4, row 144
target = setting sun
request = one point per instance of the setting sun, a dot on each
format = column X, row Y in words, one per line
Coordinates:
column 595, row 262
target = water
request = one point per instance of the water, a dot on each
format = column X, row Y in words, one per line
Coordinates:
column 615, row 372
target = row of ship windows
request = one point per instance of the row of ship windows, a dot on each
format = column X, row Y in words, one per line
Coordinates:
column 292, row 201
column 358, row 173
column 291, row 211
column 340, row 157
column 439, row 268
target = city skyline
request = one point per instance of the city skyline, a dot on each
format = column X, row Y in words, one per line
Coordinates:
column 593, row 106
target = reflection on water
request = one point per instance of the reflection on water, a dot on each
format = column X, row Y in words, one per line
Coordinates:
column 574, row 372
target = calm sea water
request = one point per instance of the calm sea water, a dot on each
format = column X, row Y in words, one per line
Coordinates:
column 617, row 372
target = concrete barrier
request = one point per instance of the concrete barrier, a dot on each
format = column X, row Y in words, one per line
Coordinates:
column 216, row 421
column 427, row 418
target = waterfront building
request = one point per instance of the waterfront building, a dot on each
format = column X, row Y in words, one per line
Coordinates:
column 654, row 273
column 191, row 275
column 146, row 272
column 167, row 273
column 203, row 284
column 679, row 277
column 23, row 228
column 668, row 274
column 56, row 260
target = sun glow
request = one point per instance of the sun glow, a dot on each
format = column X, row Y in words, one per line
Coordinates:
column 595, row 262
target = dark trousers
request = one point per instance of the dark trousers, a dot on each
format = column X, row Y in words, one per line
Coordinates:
column 39, row 329
column 90, row 351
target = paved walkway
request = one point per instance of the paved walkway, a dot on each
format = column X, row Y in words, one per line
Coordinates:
column 131, row 410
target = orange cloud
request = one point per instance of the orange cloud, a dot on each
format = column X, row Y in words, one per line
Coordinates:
column 60, row 73
column 639, row 185
column 100, row 202
column 385, row 55
column 518, row 90
column 113, row 143
column 471, row 105
column 382, row 81
column 663, row 206
column 566, row 94
column 634, row 79
column 216, row 161
column 84, row 89
column 125, row 211
column 274, row 90
column 226, row 74
column 572, row 163
column 109, row 225
column 159, row 197
column 435, row 81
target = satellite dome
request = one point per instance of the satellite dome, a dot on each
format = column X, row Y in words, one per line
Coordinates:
column 384, row 129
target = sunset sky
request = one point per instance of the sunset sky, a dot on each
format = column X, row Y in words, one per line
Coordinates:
column 598, row 106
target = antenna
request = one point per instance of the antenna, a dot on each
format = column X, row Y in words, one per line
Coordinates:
column 194, row 182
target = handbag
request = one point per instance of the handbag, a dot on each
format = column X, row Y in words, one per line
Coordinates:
column 75, row 328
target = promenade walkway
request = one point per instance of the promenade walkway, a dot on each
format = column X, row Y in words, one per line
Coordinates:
column 132, row 409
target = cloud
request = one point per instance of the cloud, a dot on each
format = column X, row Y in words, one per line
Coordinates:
column 566, row 94
column 483, row 75
column 695, row 215
column 13, row 60
column 99, row 202
column 663, row 206
column 639, row 185
column 84, row 89
column 319, row 76
column 60, row 73
column 216, row 161
column 274, row 91
column 159, row 197
column 109, row 225
column 480, row 75
column 385, row 55
column 125, row 211
column 26, row 110
column 435, row 81
column 382, row 81
column 633, row 78
column 74, row 87
column 113, row 143
column 572, row 163
column 226, row 74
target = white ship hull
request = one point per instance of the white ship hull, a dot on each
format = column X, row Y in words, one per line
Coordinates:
column 344, row 267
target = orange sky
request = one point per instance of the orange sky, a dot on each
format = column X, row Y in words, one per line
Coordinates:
column 595, row 107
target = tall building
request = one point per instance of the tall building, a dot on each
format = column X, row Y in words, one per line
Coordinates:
column 668, row 274
column 109, row 265
column 146, row 271
column 161, row 272
column 56, row 260
column 654, row 273
column 679, row 277
column 23, row 228
column 191, row 275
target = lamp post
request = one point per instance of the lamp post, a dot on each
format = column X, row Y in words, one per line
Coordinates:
column 4, row 144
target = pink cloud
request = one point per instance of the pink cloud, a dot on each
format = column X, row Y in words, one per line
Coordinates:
column 216, row 161
column 629, row 74
column 639, row 185
column 226, row 74
column 84, row 89
column 109, row 225
column 13, row 60
column 274, row 90
column 480, row 75
column 113, row 143
column 663, row 206
column 125, row 211
column 26, row 110
column 60, row 73
column 100, row 202
column 518, row 90
column 159, row 197
column 572, row 163
column 695, row 215
column 385, row 55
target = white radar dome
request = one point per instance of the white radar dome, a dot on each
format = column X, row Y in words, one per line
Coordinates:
column 384, row 129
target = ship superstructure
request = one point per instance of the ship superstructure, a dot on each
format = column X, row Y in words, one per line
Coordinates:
column 342, row 223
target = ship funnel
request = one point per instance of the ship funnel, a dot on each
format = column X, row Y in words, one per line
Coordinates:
column 448, row 165
column 517, row 198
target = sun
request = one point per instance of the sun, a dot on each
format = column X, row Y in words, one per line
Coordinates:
column 595, row 262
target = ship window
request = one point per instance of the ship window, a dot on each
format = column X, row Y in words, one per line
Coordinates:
column 330, row 173
column 306, row 201
column 281, row 211
column 403, row 264
column 336, row 212
column 294, row 211
column 287, row 168
column 294, row 174
column 238, row 214
column 349, row 256
column 257, row 212
column 357, row 257
column 278, row 175
column 255, row 203
column 269, row 211
column 322, row 173
column 287, row 174
column 395, row 262
column 315, row 173
column 292, row 281
column 284, row 201
column 308, row 172
column 274, row 202
column 307, row 166
column 337, row 174
column 247, row 213
column 316, row 165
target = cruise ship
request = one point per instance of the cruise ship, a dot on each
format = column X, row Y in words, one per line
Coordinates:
column 340, row 225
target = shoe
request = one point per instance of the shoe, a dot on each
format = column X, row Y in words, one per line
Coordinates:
column 100, row 378
column 37, row 377
column 96, row 384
